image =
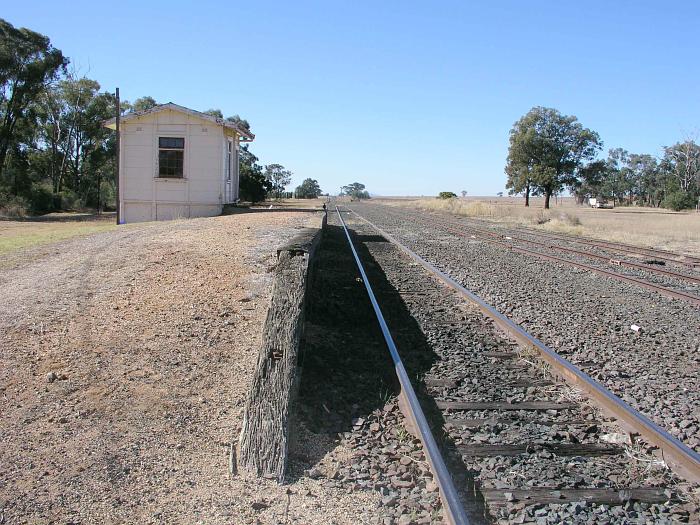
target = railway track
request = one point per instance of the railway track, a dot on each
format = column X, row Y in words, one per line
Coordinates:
column 663, row 255
column 512, row 237
column 530, row 448
column 509, row 242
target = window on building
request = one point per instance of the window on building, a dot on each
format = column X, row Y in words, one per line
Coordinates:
column 171, row 155
column 228, row 163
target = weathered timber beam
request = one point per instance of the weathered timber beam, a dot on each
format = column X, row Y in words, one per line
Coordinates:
column 269, row 411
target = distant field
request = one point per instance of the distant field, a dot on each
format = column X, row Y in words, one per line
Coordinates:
column 653, row 227
column 15, row 235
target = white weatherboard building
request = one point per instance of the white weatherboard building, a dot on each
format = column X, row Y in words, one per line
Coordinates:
column 176, row 163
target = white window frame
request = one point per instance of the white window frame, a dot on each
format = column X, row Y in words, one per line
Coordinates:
column 183, row 150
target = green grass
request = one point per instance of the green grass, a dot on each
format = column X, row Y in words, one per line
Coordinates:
column 18, row 235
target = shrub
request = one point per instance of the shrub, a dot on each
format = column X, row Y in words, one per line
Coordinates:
column 447, row 195
column 109, row 197
column 542, row 217
column 13, row 206
column 678, row 201
column 571, row 220
column 70, row 200
column 41, row 200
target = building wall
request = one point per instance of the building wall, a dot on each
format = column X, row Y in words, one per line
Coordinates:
column 231, row 189
column 203, row 189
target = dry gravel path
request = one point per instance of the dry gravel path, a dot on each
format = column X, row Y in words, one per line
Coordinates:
column 124, row 363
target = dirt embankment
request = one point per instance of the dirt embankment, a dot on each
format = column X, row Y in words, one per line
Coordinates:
column 124, row 363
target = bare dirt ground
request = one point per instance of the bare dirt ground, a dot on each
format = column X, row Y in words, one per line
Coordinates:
column 124, row 362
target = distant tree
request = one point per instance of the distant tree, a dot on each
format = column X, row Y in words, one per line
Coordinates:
column 500, row 194
column 79, row 150
column 464, row 193
column 447, row 195
column 28, row 62
column 591, row 180
column 144, row 104
column 546, row 150
column 520, row 163
column 682, row 161
column 309, row 189
column 279, row 177
column 253, row 185
column 214, row 113
column 648, row 179
column 356, row 191
column 240, row 122
column 678, row 200
column 618, row 181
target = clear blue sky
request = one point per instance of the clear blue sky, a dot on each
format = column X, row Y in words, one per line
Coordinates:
column 407, row 97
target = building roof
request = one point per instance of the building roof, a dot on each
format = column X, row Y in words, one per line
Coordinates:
column 246, row 135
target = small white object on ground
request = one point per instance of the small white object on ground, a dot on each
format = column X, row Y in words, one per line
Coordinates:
column 616, row 438
column 636, row 328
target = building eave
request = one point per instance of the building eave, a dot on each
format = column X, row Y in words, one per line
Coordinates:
column 246, row 136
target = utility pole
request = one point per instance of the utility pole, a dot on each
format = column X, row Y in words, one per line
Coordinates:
column 118, row 155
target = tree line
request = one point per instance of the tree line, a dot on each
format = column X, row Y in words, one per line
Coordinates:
column 550, row 152
column 55, row 152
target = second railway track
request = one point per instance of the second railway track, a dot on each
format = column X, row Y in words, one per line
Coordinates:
column 683, row 286
column 531, row 449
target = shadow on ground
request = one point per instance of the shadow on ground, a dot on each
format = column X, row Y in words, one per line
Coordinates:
column 347, row 371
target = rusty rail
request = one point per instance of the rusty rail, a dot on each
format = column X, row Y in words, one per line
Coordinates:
column 454, row 511
column 665, row 255
column 497, row 238
column 618, row 262
column 683, row 460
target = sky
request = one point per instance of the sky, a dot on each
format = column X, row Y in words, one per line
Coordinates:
column 407, row 97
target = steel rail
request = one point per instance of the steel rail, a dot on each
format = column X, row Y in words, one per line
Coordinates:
column 690, row 260
column 618, row 262
column 669, row 292
column 683, row 460
column 454, row 511
column 497, row 239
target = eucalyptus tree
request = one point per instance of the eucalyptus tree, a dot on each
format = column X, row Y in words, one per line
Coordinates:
column 591, row 181
column 355, row 190
column 647, row 178
column 308, row 189
column 546, row 151
column 214, row 113
column 240, row 122
column 618, row 182
column 144, row 103
column 253, row 185
column 279, row 177
column 682, row 160
column 28, row 63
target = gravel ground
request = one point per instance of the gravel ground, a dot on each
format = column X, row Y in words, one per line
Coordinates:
column 584, row 316
column 459, row 343
column 676, row 283
column 125, row 359
column 348, row 393
column 476, row 230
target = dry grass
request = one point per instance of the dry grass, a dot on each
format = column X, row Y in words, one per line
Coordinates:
column 651, row 227
column 16, row 235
